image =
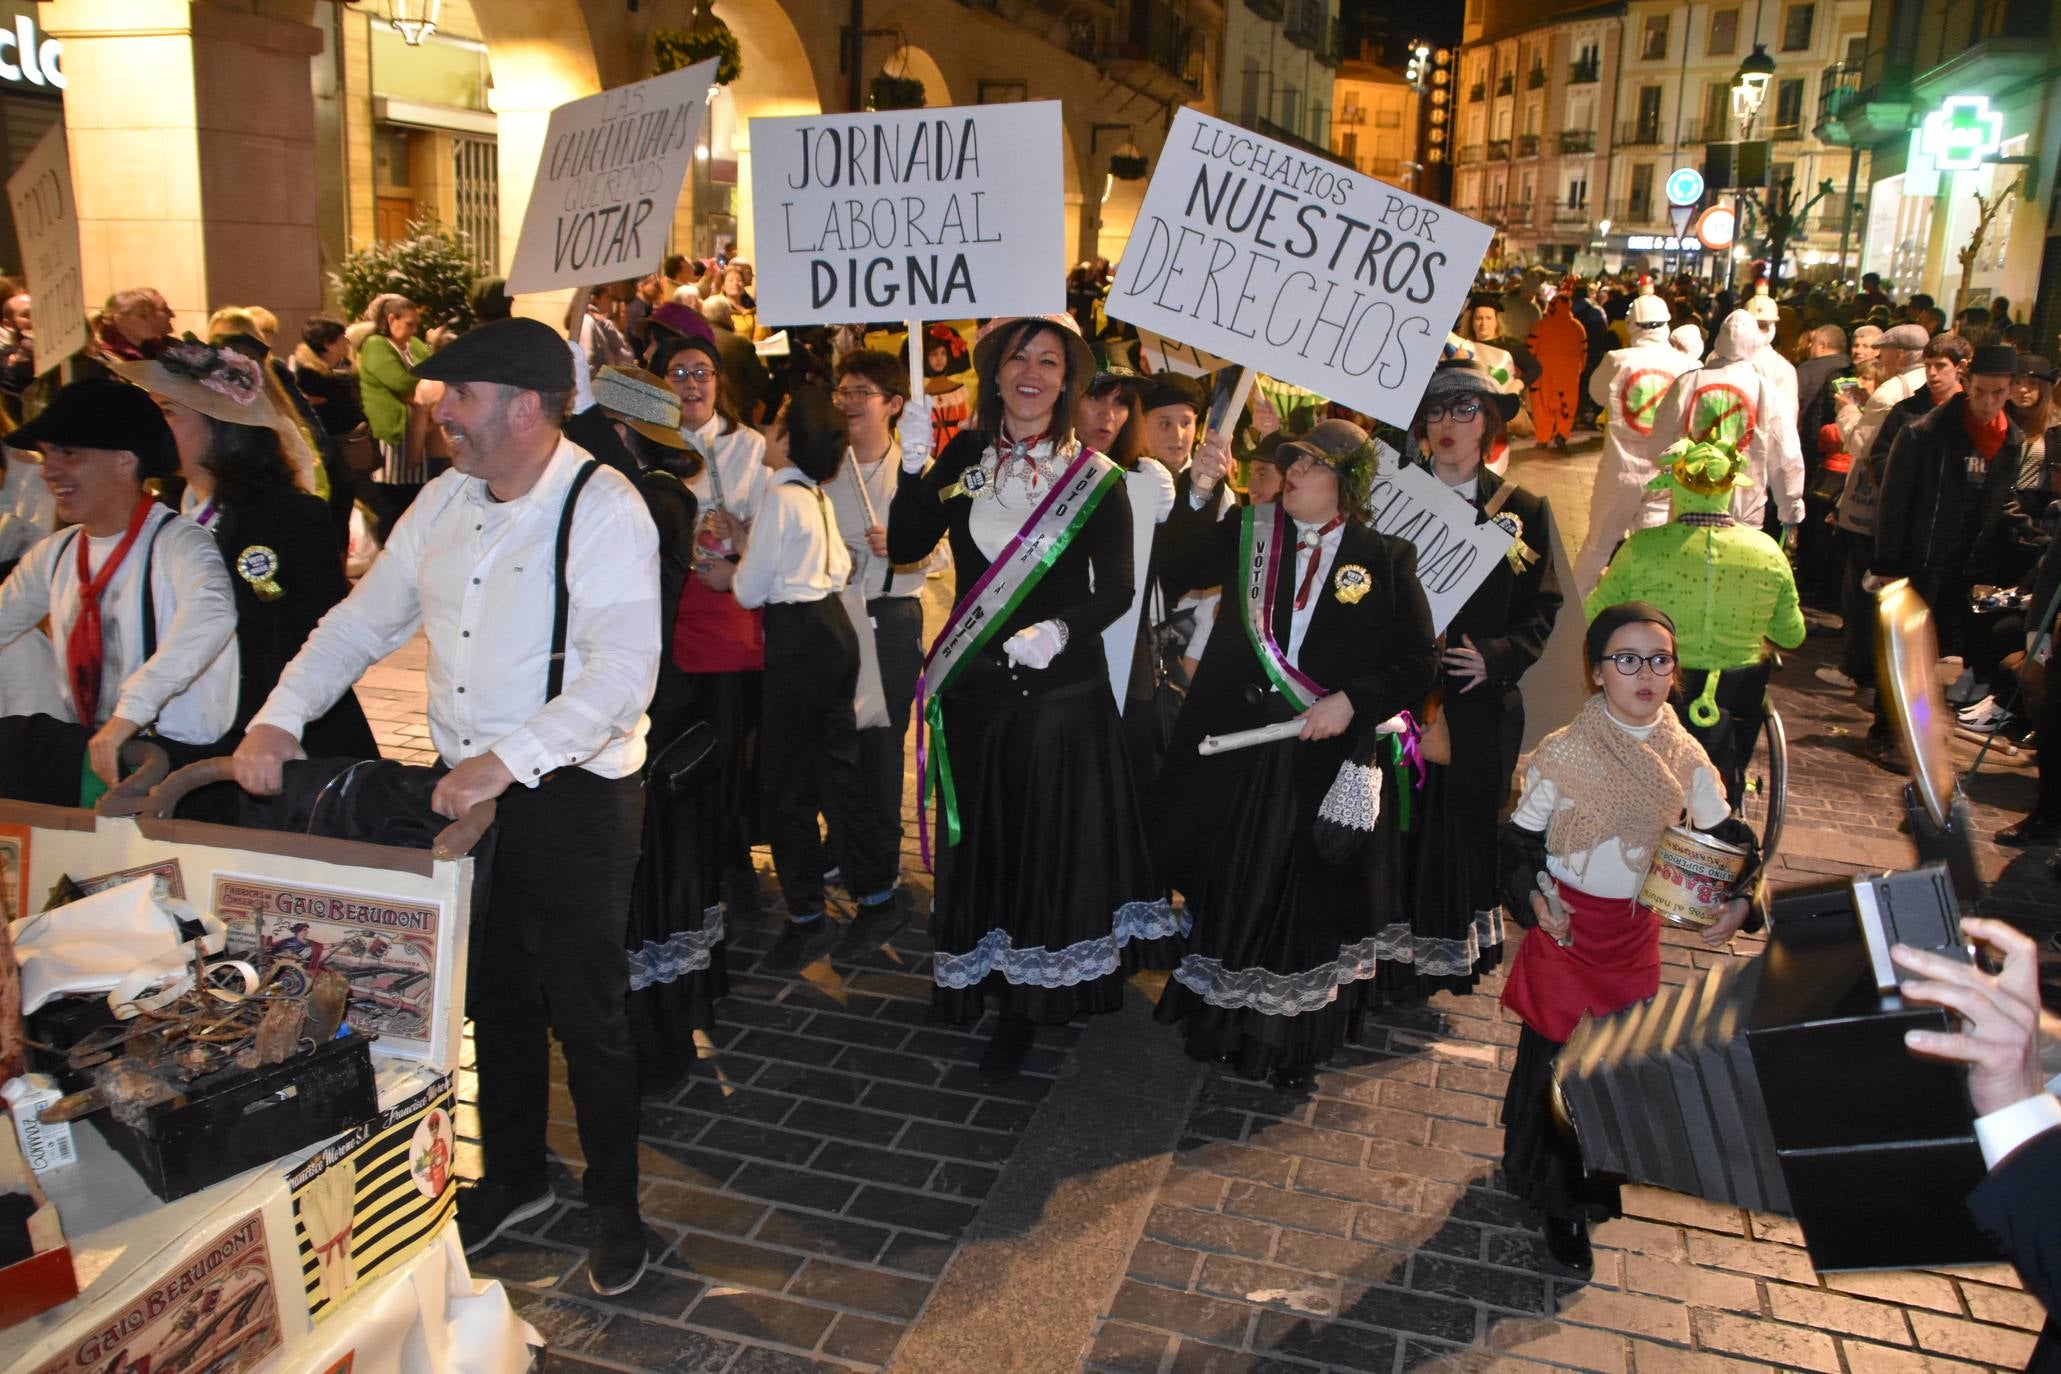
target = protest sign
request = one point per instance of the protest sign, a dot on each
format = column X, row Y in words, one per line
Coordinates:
column 602, row 205
column 1454, row 555
column 909, row 214
column 46, row 219
column 1262, row 254
column 1157, row 353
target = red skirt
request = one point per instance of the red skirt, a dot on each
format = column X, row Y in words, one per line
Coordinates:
column 1613, row 962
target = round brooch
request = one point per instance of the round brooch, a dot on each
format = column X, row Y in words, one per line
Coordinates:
column 1350, row 583
column 259, row 566
column 974, row 482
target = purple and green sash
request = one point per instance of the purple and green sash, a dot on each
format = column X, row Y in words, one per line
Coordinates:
column 982, row 612
column 1265, row 538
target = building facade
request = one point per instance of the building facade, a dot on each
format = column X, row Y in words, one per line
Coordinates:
column 1374, row 121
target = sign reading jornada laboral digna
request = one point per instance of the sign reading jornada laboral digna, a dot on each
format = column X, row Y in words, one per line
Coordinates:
column 602, row 205
column 47, row 221
column 909, row 214
column 1265, row 255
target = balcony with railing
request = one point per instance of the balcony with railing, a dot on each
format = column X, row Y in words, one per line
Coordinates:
column 1527, row 145
column 1517, row 214
column 1582, row 73
column 1499, row 150
column 1468, row 155
column 1477, row 92
column 1153, row 49
column 1332, row 52
column 1838, row 87
column 1535, row 79
column 1577, row 140
column 1636, row 210
column 1716, row 129
column 1305, row 26
column 1783, row 133
column 1639, row 133
column 1571, row 214
column 1506, row 84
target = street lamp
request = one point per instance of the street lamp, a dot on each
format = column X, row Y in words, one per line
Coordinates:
column 1750, row 84
column 415, row 19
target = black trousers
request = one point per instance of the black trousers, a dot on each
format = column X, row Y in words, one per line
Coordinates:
column 2048, row 739
column 1857, row 609
column 809, row 757
column 551, row 958
column 1742, row 710
column 898, row 641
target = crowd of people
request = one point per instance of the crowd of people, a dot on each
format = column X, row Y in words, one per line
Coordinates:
column 671, row 584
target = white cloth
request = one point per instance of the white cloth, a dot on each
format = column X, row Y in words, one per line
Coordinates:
column 794, row 555
column 1325, row 552
column 1150, row 487
column 1769, row 362
column 188, row 687
column 1624, row 470
column 479, row 576
column 1011, row 495
column 738, row 460
column 878, row 479
column 2004, row 1130
column 1774, row 458
column 1602, row 871
column 1205, row 607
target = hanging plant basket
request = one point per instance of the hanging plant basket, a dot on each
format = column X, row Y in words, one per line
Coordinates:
column 895, row 93
column 1128, row 166
column 672, row 49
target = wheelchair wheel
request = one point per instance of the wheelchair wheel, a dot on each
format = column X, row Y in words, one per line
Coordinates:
column 1767, row 786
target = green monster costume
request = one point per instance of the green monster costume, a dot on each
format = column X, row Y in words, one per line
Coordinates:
column 1727, row 586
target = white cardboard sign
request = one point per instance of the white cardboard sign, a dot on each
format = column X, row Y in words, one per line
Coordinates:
column 1454, row 555
column 46, row 219
column 601, row 207
column 1263, row 254
column 909, row 214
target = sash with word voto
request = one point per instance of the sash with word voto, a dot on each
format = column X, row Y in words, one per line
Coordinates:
column 1261, row 541
column 375, row 1196
column 980, row 614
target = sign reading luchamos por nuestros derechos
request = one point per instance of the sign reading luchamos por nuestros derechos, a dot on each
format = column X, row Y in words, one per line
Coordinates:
column 602, row 205
column 1271, row 257
column 909, row 214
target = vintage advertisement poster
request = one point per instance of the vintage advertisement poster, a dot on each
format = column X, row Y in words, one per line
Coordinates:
column 375, row 1196
column 385, row 947
column 217, row 1310
column 171, row 881
column 14, row 872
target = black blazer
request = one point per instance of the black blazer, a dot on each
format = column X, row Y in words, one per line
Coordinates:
column 1942, row 507
column 2020, row 1205
column 1086, row 590
column 1511, row 614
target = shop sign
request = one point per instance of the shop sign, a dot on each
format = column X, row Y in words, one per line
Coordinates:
column 910, row 214
column 1962, row 132
column 28, row 60
column 1258, row 252
column 1660, row 243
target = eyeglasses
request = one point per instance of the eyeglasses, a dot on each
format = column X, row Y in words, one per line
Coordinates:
column 682, row 373
column 853, row 395
column 1463, row 411
column 1629, row 663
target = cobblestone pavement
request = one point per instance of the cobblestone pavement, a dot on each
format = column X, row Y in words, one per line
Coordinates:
column 834, row 1189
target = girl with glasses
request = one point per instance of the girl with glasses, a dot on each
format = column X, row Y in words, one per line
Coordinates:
column 1451, row 929
column 1597, row 798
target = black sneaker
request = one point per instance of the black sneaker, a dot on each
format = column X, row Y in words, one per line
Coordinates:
column 876, row 924
column 802, row 943
column 2031, row 831
column 486, row 1209
column 617, row 1250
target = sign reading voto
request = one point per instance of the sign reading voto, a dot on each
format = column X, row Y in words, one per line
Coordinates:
column 1269, row 256
column 909, row 214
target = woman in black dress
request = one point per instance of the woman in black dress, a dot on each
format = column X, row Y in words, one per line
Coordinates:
column 1453, row 930
column 278, row 540
column 1045, row 895
column 1322, row 620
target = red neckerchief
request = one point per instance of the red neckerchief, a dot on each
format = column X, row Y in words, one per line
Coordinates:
column 1008, row 449
column 1313, row 541
column 83, row 651
column 1987, row 438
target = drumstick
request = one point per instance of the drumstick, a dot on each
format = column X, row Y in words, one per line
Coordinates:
column 1551, row 891
column 1267, row 734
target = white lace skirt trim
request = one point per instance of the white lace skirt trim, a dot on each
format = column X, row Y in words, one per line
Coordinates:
column 684, row 952
column 1447, row 957
column 1077, row 963
column 1280, row 994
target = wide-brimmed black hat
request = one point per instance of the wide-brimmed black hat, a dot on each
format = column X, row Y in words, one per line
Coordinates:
column 1994, row 360
column 523, row 353
column 105, row 413
column 1458, row 377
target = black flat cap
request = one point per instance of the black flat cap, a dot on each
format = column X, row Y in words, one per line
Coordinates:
column 105, row 413
column 1994, row 360
column 1170, row 389
column 523, row 353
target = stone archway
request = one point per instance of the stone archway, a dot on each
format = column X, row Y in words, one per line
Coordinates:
column 910, row 60
column 778, row 80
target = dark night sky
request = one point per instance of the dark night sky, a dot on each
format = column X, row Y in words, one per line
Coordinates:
column 1393, row 23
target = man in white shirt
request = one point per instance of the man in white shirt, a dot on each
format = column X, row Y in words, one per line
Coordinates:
column 2010, row 1045
column 142, row 618
column 473, row 563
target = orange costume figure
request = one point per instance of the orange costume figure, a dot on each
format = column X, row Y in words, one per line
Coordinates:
column 1562, row 348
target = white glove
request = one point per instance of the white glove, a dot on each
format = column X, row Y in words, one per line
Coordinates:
column 916, row 433
column 1037, row 645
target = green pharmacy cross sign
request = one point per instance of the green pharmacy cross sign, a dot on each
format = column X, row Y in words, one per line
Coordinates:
column 1962, row 132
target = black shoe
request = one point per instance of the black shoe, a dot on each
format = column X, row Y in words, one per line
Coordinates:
column 1887, row 754
column 617, row 1251
column 1295, row 1078
column 876, row 924
column 1007, row 1048
column 802, row 943
column 2030, row 831
column 486, row 1209
column 1568, row 1243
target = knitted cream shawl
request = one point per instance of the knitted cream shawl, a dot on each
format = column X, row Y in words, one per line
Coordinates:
column 1612, row 784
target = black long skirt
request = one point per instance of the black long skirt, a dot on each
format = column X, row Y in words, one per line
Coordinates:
column 1541, row 1161
column 727, row 818
column 1048, row 899
column 1282, row 941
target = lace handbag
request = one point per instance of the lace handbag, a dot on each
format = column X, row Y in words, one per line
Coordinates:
column 1351, row 806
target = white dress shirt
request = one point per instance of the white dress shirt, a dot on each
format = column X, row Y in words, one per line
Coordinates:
column 794, row 554
column 1324, row 553
column 479, row 575
column 1603, row 871
column 187, row 689
column 850, row 512
column 738, row 461
column 2004, row 1130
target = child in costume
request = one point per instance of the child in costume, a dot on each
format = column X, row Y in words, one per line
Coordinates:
column 1597, row 799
